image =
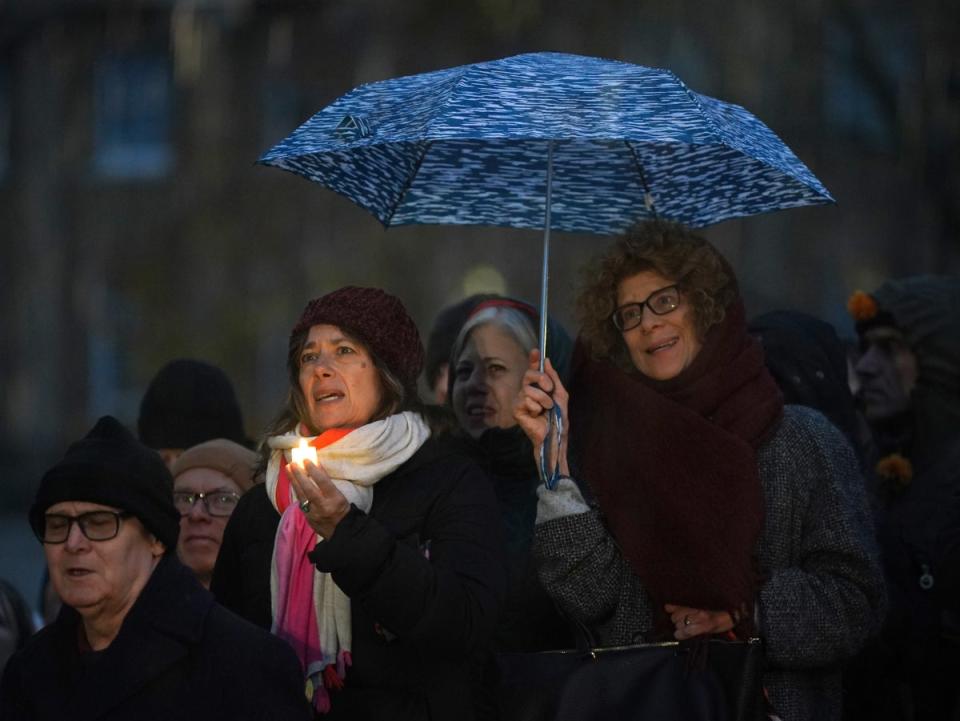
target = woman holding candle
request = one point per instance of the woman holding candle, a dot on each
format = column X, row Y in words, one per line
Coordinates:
column 376, row 562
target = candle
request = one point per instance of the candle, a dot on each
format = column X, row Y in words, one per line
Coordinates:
column 303, row 452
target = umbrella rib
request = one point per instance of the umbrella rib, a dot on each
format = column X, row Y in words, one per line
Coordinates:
column 648, row 196
column 410, row 178
column 718, row 132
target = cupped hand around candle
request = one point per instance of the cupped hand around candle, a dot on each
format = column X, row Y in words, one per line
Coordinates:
column 328, row 505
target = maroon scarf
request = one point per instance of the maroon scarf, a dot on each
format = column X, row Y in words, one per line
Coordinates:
column 673, row 466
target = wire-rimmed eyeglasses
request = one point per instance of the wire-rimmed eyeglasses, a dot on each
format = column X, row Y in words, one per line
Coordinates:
column 217, row 503
column 660, row 302
column 95, row 525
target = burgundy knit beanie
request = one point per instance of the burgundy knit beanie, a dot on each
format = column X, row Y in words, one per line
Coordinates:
column 376, row 318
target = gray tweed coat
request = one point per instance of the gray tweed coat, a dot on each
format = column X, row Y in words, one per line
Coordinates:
column 823, row 594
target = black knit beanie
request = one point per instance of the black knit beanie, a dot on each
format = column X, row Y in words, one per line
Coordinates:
column 808, row 361
column 189, row 402
column 108, row 466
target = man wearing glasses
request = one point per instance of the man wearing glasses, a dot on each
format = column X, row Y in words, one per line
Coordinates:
column 208, row 480
column 138, row 636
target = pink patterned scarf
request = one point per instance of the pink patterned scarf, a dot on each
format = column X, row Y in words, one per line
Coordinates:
column 309, row 611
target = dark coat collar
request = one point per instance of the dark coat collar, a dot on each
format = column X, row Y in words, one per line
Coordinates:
column 165, row 621
column 436, row 448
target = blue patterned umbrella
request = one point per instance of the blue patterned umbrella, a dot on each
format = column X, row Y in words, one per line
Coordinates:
column 546, row 140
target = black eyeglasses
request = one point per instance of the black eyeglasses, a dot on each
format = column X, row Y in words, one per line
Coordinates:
column 95, row 525
column 217, row 503
column 660, row 302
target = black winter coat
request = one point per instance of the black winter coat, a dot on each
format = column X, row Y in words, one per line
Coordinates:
column 178, row 656
column 424, row 571
column 530, row 620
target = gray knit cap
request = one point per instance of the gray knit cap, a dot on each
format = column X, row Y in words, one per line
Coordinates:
column 926, row 309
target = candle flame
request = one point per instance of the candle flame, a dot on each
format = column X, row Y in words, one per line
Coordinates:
column 303, row 452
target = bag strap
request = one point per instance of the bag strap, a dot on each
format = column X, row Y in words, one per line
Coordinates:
column 583, row 636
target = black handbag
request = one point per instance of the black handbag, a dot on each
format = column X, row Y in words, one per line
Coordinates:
column 697, row 680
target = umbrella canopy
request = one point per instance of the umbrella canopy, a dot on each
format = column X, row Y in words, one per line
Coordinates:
column 551, row 141
column 469, row 145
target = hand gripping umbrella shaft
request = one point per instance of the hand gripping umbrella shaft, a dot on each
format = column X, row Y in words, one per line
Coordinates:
column 554, row 417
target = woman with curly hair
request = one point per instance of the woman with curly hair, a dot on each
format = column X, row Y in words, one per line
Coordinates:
column 714, row 509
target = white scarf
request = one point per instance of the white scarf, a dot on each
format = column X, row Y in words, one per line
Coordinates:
column 355, row 463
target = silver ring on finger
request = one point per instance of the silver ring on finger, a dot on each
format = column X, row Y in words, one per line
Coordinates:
column 686, row 619
column 305, row 506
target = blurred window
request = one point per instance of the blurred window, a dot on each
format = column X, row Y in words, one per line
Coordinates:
column 133, row 112
column 686, row 57
column 281, row 110
column 867, row 57
column 5, row 119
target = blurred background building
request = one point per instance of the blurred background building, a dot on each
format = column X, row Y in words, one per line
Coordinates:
column 136, row 227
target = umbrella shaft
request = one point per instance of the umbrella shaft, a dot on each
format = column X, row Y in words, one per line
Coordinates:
column 545, row 273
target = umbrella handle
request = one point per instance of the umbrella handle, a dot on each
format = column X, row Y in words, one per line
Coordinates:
column 554, row 425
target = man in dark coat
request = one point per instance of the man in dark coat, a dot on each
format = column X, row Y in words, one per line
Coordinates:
column 138, row 637
column 909, row 370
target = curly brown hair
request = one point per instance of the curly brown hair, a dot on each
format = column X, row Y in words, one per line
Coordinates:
column 669, row 249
